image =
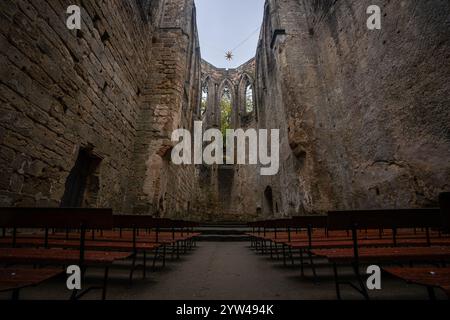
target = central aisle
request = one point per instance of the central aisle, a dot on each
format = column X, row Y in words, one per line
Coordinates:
column 223, row 270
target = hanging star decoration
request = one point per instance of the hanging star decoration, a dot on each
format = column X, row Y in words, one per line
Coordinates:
column 229, row 55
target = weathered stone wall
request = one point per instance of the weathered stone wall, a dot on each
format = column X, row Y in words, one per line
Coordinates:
column 365, row 113
column 61, row 90
column 228, row 192
column 170, row 99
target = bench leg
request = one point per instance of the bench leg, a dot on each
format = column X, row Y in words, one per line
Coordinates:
column 277, row 252
column 284, row 255
column 431, row 293
column 291, row 255
column 144, row 272
column 133, row 266
column 313, row 266
column 360, row 281
column 271, row 250
column 15, row 295
column 154, row 259
column 105, row 283
column 74, row 294
column 172, row 255
column 302, row 271
column 164, row 255
column 336, row 280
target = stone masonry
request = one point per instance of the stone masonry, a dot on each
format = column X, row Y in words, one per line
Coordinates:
column 364, row 115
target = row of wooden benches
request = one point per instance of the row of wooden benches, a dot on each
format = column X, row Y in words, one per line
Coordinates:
column 86, row 237
column 356, row 238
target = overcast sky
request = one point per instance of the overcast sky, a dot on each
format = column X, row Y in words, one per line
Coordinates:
column 224, row 24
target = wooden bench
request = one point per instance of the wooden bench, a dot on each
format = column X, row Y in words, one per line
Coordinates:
column 59, row 218
column 382, row 219
column 444, row 203
column 272, row 232
column 181, row 232
column 13, row 279
column 429, row 277
column 131, row 233
column 309, row 233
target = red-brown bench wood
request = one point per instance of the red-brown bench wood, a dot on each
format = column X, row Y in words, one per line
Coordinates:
column 397, row 254
column 12, row 279
column 59, row 256
column 425, row 276
column 366, row 243
column 59, row 218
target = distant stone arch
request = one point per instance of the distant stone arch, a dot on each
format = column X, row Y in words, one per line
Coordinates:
column 225, row 103
column 227, row 83
column 247, row 94
column 207, row 97
column 205, row 90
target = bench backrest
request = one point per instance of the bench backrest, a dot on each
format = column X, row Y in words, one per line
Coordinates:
column 309, row 221
column 164, row 223
column 384, row 219
column 73, row 218
column 134, row 221
column 276, row 223
column 444, row 202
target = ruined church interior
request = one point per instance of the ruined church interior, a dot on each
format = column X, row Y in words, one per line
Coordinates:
column 349, row 99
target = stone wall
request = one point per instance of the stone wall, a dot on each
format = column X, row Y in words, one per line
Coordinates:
column 365, row 114
column 116, row 88
column 63, row 89
column 228, row 192
column 170, row 99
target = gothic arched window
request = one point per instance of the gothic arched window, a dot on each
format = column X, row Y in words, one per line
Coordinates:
column 225, row 109
column 249, row 102
column 204, row 102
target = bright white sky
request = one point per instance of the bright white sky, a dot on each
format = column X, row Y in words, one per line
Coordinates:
column 224, row 24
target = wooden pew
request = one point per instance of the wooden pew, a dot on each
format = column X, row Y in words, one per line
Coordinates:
column 59, row 218
column 14, row 279
column 132, row 233
column 430, row 277
column 444, row 203
column 382, row 219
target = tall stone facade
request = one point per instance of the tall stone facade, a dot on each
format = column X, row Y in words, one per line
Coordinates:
column 116, row 89
column 363, row 114
column 228, row 192
column 62, row 90
column 170, row 99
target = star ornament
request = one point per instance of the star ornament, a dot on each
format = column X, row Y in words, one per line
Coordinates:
column 229, row 55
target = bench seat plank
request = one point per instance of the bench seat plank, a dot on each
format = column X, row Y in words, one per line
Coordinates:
column 89, row 245
column 386, row 254
column 58, row 256
column 13, row 279
column 430, row 277
column 367, row 243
